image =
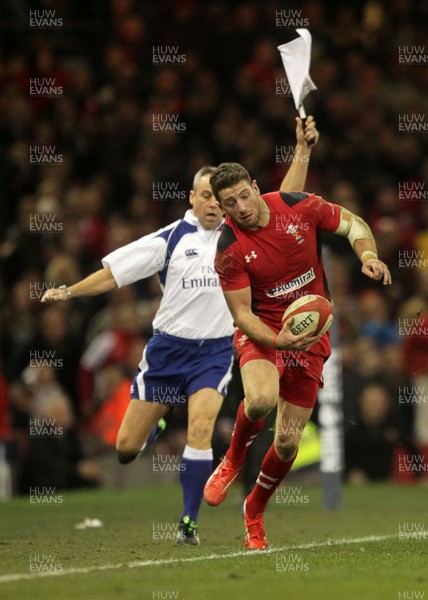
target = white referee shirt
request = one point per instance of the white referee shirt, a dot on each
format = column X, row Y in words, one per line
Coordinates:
column 192, row 305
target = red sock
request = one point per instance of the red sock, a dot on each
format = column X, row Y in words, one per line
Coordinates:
column 272, row 472
column 242, row 437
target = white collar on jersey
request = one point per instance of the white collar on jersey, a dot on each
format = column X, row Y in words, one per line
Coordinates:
column 189, row 217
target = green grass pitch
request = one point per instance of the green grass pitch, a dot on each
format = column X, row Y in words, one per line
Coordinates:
column 134, row 556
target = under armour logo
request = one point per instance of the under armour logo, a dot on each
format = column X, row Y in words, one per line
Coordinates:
column 252, row 255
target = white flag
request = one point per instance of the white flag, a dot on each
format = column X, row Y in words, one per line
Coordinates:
column 296, row 58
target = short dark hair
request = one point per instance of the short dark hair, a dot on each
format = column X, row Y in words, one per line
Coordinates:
column 226, row 175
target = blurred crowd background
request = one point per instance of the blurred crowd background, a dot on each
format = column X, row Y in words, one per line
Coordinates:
column 224, row 85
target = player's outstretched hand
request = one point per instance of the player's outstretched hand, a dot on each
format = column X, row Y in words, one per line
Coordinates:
column 54, row 295
column 311, row 132
column 377, row 270
column 286, row 340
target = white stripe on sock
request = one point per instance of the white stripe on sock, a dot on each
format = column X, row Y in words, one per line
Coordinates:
column 261, row 474
column 252, row 437
column 265, row 485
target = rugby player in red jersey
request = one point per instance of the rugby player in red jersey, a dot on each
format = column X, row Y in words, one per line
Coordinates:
column 268, row 255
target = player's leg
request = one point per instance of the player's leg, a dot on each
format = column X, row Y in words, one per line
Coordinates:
column 140, row 419
column 197, row 461
column 291, row 421
column 260, row 379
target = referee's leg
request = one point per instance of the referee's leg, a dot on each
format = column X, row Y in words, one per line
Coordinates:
column 140, row 418
column 203, row 408
column 197, row 461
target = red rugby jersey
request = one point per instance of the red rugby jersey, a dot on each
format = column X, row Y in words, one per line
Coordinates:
column 281, row 261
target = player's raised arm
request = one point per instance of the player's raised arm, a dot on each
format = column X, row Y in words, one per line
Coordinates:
column 97, row 283
column 239, row 303
column 295, row 179
column 363, row 243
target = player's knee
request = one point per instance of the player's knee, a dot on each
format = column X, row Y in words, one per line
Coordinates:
column 285, row 449
column 258, row 405
column 125, row 445
column 286, row 442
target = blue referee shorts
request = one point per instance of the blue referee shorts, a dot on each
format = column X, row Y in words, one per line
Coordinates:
column 173, row 368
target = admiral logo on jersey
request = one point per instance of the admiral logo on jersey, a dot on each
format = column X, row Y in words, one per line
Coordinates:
column 291, row 286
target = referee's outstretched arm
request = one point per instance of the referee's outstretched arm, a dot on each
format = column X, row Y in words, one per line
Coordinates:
column 97, row 283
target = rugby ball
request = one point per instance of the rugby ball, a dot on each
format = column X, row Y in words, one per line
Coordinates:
column 311, row 313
